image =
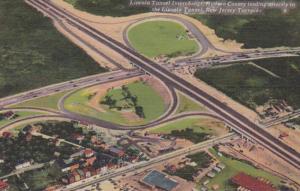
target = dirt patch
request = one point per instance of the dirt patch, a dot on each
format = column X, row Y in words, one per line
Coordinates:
column 131, row 116
column 217, row 127
column 289, row 136
column 100, row 91
column 160, row 89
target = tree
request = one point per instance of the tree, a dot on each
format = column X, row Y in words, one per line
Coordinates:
column 140, row 111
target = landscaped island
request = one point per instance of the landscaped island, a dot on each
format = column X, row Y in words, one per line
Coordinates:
column 161, row 38
column 126, row 104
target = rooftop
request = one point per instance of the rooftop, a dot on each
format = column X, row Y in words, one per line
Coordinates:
column 159, row 180
column 251, row 183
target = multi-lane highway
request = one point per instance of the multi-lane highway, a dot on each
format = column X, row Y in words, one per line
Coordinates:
column 69, row 85
column 235, row 58
column 237, row 121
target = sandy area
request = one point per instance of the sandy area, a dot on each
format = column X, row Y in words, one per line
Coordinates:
column 114, row 26
column 101, row 90
column 266, row 159
column 293, row 135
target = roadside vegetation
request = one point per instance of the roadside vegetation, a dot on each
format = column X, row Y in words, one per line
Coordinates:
column 18, row 115
column 202, row 160
column 254, row 87
column 41, row 178
column 115, row 8
column 186, row 105
column 48, row 102
column 163, row 38
column 193, row 129
column 271, row 29
column 233, row 167
column 116, row 109
column 33, row 53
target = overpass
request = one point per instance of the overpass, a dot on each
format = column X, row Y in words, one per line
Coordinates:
column 235, row 57
column 238, row 122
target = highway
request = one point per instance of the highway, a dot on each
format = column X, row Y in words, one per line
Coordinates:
column 69, row 85
column 144, row 164
column 235, row 58
column 237, row 121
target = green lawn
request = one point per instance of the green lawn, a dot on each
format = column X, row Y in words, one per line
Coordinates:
column 50, row 101
column 154, row 38
column 22, row 114
column 186, row 104
column 148, row 98
column 197, row 124
column 233, row 167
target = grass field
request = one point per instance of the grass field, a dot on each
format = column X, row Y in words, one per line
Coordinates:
column 199, row 125
column 33, row 53
column 22, row 114
column 152, row 103
column 186, row 104
column 233, row 167
column 49, row 102
column 154, row 38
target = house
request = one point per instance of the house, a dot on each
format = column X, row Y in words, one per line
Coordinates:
column 77, row 154
column 211, row 174
column 74, row 166
column 221, row 165
column 90, row 161
column 250, row 183
column 217, row 169
column 4, row 186
column 81, row 174
column 23, row 165
column 78, row 137
column 88, row 153
column 76, row 176
column 9, row 115
column 87, row 172
column 7, row 134
column 93, row 171
column 116, row 152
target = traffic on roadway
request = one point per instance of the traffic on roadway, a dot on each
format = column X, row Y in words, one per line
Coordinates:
column 237, row 121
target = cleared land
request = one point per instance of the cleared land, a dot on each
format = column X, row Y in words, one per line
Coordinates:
column 254, row 87
column 151, row 102
column 233, row 167
column 33, row 53
column 156, row 38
